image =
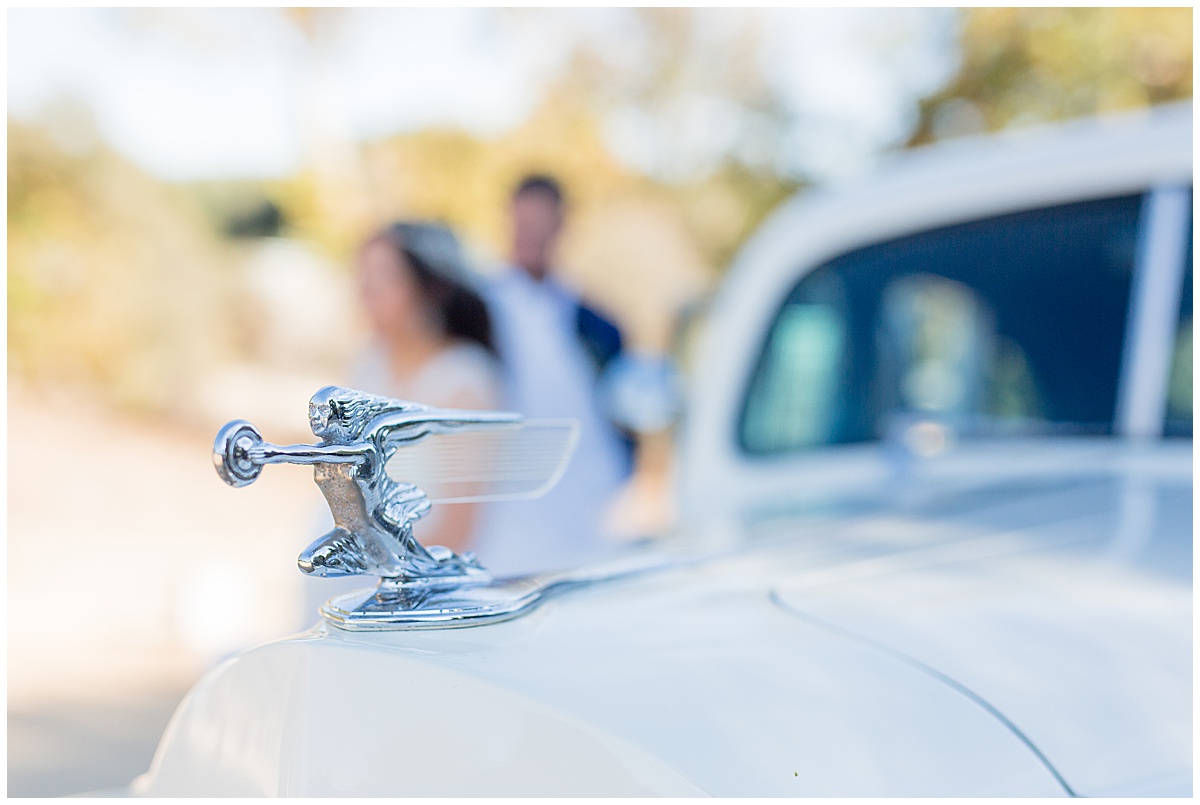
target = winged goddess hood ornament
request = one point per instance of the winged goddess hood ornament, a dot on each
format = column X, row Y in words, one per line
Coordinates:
column 374, row 513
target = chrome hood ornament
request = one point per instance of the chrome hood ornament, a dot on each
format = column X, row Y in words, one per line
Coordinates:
column 373, row 513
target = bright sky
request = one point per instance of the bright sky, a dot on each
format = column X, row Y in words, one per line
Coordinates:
column 222, row 93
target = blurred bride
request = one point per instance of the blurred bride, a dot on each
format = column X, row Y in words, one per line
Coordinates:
column 432, row 341
column 432, row 336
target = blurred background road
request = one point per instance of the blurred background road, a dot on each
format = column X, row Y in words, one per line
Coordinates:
column 131, row 570
column 186, row 192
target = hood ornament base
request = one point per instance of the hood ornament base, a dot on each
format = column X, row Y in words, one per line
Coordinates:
column 437, row 605
column 373, row 514
column 410, row 605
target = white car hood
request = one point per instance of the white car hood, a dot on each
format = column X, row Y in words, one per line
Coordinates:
column 983, row 638
column 1064, row 605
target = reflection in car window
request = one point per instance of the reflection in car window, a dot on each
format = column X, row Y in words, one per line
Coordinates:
column 800, row 382
column 1015, row 322
column 936, row 333
column 1179, row 390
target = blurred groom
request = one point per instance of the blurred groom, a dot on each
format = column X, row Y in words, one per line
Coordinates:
column 553, row 349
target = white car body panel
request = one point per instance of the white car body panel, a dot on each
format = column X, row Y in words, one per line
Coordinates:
column 1009, row 617
column 824, row 662
column 921, row 190
column 533, row 708
column 1053, row 607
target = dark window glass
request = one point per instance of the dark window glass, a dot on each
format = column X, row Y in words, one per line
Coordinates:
column 1015, row 322
column 1179, row 390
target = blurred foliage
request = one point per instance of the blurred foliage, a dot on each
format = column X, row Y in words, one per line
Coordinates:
column 673, row 223
column 684, row 71
column 452, row 176
column 241, row 208
column 139, row 287
column 1027, row 65
column 113, row 279
column 639, row 246
column 640, row 243
column 264, row 220
column 673, row 58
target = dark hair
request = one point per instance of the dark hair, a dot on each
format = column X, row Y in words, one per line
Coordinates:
column 540, row 183
column 438, row 263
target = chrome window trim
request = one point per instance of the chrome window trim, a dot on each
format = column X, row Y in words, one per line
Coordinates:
column 1153, row 312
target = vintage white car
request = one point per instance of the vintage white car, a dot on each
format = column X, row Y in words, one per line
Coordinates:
column 935, row 498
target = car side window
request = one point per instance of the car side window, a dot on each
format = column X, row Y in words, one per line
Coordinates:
column 804, row 361
column 1013, row 323
column 1179, row 389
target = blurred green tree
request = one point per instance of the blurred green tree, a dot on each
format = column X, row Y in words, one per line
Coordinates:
column 669, row 147
column 1028, row 65
column 114, row 282
column 702, row 201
